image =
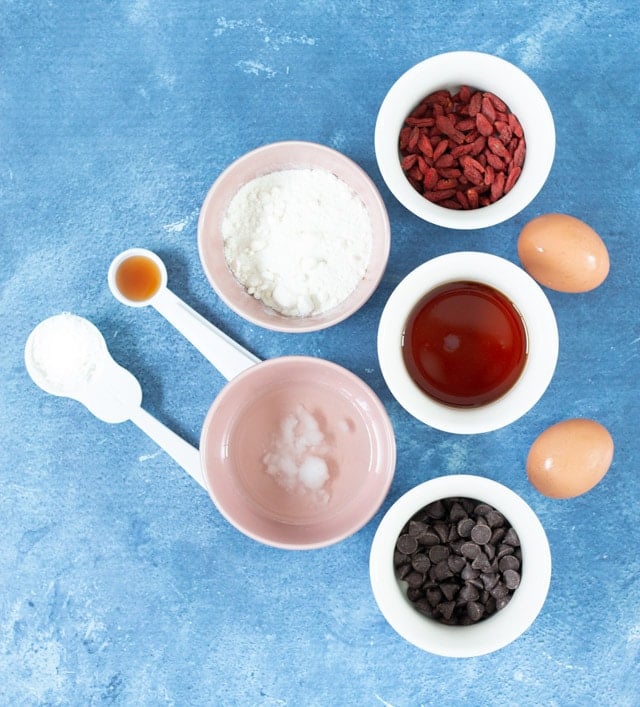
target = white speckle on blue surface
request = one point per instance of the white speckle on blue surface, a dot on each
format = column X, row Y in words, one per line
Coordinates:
column 257, row 68
column 548, row 30
column 269, row 35
column 147, row 457
column 177, row 226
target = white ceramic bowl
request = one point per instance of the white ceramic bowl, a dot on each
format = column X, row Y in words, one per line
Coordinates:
column 272, row 158
column 484, row 72
column 536, row 313
column 487, row 635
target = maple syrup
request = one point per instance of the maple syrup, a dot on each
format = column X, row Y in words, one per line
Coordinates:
column 465, row 344
column 138, row 278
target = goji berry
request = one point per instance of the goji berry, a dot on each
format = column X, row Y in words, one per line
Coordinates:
column 463, row 149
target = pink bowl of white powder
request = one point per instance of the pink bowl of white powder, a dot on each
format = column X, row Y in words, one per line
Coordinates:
column 297, row 452
column 294, row 236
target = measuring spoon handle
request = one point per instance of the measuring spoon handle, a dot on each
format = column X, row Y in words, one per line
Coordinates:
column 186, row 455
column 225, row 354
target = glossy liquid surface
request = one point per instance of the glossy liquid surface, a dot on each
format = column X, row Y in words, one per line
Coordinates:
column 138, row 278
column 465, row 344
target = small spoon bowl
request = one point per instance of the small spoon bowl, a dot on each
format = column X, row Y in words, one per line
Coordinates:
column 154, row 259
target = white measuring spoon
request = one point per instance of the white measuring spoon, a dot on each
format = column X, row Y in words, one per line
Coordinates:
column 105, row 388
column 225, row 354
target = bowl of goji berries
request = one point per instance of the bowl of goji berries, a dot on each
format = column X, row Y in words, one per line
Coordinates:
column 465, row 140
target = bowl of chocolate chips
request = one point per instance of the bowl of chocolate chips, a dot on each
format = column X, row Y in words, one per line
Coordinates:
column 460, row 566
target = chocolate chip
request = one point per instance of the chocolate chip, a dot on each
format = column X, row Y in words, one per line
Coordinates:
column 504, row 550
column 437, row 553
column 495, row 519
column 468, row 593
column 481, row 534
column 423, row 606
column 429, row 538
column 442, row 571
column 465, row 526
column 481, row 563
column 407, row 544
column 420, row 562
column 468, row 504
column 511, row 538
column 399, row 558
column 475, row 611
column 509, row 562
column 457, row 512
column 470, row 550
column 449, row 590
column 442, row 529
column 414, row 579
column 460, row 560
column 499, row 591
column 511, row 579
column 456, row 563
column 435, row 510
column 417, row 528
column 489, row 581
column 469, row 573
column 446, row 609
column 453, row 535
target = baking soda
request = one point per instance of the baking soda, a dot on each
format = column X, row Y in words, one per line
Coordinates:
column 299, row 240
column 65, row 352
column 296, row 458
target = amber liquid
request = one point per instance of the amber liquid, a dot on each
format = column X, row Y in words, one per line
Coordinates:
column 465, row 344
column 138, row 278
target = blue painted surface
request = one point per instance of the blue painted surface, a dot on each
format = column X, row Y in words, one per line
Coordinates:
column 119, row 581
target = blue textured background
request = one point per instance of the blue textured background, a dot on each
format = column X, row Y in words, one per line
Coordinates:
column 119, row 581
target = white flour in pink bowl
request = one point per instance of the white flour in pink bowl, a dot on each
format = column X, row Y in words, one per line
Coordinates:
column 299, row 240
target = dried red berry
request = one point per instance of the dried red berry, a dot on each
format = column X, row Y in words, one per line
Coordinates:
column 462, row 150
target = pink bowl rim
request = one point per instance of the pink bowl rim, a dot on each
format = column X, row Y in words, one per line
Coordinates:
column 270, row 319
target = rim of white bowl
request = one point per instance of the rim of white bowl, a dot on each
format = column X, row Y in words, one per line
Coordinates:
column 542, row 341
column 488, row 73
column 501, row 628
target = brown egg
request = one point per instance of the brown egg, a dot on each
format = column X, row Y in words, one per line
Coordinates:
column 563, row 253
column 570, row 458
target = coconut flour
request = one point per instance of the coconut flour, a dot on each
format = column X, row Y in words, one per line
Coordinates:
column 298, row 239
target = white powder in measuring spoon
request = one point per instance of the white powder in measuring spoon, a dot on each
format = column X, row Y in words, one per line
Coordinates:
column 64, row 352
column 298, row 239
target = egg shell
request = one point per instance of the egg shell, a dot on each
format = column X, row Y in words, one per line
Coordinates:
column 563, row 253
column 570, row 458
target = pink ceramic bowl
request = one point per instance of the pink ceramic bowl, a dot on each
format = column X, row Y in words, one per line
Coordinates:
column 354, row 440
column 265, row 160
